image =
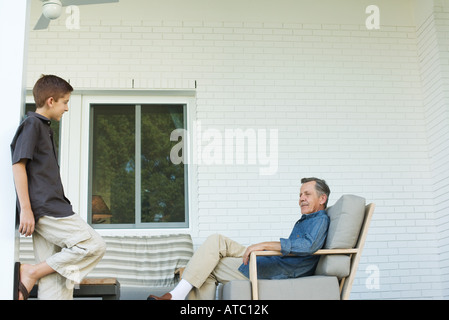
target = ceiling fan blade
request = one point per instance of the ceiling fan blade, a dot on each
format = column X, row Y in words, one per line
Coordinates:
column 42, row 23
column 83, row 2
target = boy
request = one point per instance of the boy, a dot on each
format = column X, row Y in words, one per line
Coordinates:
column 65, row 246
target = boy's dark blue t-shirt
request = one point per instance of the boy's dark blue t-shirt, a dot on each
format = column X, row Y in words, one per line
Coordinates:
column 34, row 141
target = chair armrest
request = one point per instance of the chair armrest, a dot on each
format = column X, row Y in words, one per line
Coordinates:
column 335, row 251
column 319, row 252
column 265, row 253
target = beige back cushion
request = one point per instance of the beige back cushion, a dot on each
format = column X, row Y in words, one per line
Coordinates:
column 346, row 218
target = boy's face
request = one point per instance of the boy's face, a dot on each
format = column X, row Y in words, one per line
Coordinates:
column 57, row 108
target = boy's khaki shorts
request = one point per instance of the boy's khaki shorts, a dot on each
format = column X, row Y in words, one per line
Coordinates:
column 71, row 247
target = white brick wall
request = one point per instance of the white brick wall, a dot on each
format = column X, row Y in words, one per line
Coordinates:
column 433, row 48
column 349, row 106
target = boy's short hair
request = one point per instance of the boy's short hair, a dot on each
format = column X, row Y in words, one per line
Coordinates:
column 50, row 86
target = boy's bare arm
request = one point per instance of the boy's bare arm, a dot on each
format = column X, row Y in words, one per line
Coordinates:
column 27, row 222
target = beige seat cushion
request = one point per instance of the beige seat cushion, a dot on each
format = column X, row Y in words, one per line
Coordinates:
column 306, row 288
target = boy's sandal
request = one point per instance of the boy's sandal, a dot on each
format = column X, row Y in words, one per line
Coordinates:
column 18, row 285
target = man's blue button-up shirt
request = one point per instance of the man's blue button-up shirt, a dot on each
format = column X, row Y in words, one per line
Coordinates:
column 308, row 235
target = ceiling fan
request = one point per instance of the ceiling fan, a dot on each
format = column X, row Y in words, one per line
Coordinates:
column 51, row 9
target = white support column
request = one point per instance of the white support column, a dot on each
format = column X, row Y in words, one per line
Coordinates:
column 13, row 46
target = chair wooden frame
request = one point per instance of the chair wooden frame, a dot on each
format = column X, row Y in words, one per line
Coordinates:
column 355, row 254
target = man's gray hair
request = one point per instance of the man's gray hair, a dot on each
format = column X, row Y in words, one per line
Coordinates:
column 321, row 187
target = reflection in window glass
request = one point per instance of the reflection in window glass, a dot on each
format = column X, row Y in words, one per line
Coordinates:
column 148, row 191
column 162, row 182
column 113, row 165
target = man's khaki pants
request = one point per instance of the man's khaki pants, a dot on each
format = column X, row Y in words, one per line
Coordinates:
column 216, row 260
column 69, row 246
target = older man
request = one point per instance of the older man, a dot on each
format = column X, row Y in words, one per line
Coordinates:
column 219, row 259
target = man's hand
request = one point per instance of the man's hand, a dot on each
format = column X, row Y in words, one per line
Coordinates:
column 26, row 226
column 251, row 248
column 273, row 245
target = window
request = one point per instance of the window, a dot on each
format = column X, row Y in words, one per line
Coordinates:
column 133, row 183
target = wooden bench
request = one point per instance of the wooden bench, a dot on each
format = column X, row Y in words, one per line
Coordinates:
column 106, row 288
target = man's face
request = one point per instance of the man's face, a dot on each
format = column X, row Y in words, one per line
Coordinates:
column 309, row 201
